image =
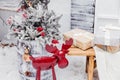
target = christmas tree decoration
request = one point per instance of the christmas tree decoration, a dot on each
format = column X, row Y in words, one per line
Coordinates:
column 33, row 3
column 58, row 57
column 26, row 55
column 27, row 73
column 39, row 29
column 54, row 41
column 33, row 27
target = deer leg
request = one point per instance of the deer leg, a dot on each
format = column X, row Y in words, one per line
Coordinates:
column 53, row 73
column 38, row 74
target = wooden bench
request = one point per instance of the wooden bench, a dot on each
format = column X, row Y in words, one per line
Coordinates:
column 90, row 55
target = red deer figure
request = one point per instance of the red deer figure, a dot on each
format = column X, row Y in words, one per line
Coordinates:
column 58, row 57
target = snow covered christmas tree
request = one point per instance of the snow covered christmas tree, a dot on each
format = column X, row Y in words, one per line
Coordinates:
column 33, row 27
column 34, row 22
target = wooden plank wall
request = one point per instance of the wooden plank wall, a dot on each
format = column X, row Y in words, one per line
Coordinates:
column 82, row 14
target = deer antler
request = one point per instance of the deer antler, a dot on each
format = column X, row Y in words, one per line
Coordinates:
column 51, row 48
column 67, row 44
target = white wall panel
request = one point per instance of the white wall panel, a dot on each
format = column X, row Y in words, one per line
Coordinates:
column 106, row 12
column 82, row 14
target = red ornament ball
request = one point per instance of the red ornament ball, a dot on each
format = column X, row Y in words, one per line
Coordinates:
column 42, row 34
column 54, row 41
column 39, row 29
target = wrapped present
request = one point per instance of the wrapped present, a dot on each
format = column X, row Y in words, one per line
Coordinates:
column 108, row 38
column 111, row 49
column 81, row 38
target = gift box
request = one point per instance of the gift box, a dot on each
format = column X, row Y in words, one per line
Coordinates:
column 111, row 49
column 108, row 38
column 81, row 38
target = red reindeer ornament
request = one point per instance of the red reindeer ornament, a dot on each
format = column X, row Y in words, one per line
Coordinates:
column 58, row 57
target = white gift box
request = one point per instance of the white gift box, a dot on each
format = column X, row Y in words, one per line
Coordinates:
column 108, row 38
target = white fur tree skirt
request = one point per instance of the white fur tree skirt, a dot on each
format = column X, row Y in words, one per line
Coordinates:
column 9, row 70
